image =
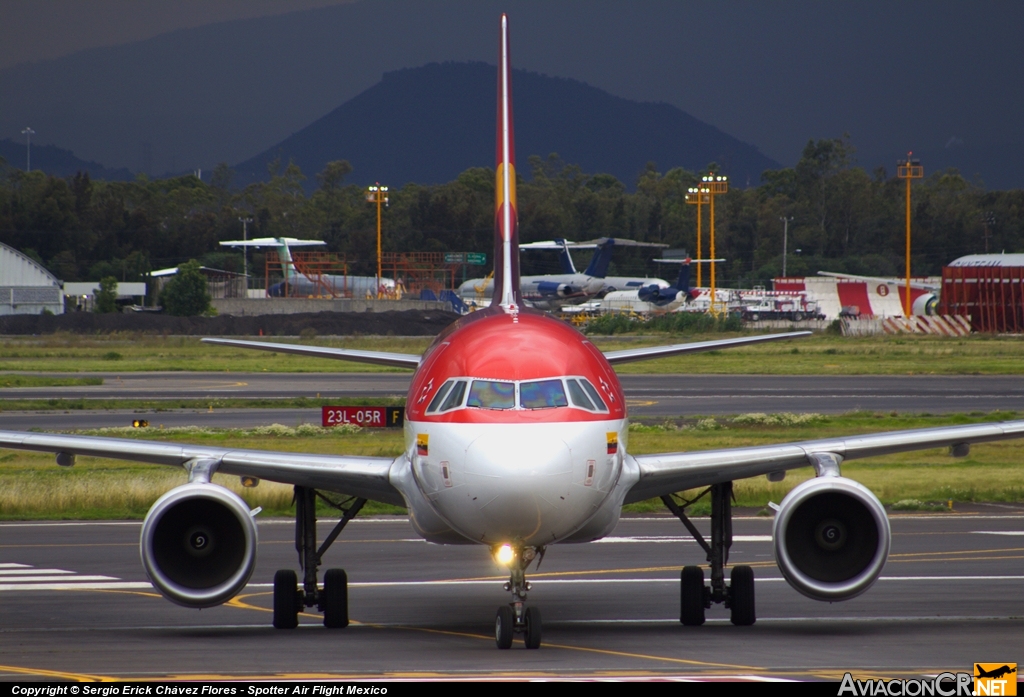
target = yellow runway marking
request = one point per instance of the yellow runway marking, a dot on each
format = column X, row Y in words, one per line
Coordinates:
column 42, row 672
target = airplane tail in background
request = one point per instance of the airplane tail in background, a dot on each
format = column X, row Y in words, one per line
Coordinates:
column 285, row 255
column 506, row 224
column 565, row 258
column 598, row 267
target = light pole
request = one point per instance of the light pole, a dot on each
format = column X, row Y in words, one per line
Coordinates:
column 785, row 239
column 987, row 218
column 28, row 133
column 715, row 185
column 378, row 194
column 698, row 195
column 908, row 169
column 245, row 252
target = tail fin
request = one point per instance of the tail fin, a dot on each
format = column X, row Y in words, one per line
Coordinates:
column 565, row 258
column 598, row 267
column 683, row 282
column 285, row 255
column 506, row 223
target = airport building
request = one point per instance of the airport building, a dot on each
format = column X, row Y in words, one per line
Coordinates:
column 988, row 289
column 26, row 288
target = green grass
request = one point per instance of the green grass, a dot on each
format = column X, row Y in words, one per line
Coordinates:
column 45, row 381
column 33, row 487
column 822, row 354
column 160, row 405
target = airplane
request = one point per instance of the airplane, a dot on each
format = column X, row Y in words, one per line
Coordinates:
column 924, row 296
column 554, row 291
column 298, row 283
column 516, row 439
column 995, row 673
column 655, row 297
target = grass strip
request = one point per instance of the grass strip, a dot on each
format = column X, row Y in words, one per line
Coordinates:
column 821, row 354
column 161, row 405
column 33, row 487
column 45, row 381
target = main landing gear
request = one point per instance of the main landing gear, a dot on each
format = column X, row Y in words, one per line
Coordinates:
column 694, row 596
column 332, row 599
column 516, row 618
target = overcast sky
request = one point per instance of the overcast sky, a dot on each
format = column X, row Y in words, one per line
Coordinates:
column 895, row 75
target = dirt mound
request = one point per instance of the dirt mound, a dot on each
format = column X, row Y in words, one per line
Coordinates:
column 404, row 323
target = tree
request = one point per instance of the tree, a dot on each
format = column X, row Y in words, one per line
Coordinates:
column 106, row 296
column 186, row 295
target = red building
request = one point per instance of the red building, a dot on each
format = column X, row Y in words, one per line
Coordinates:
column 988, row 289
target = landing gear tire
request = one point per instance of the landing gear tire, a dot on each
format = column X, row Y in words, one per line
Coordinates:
column 335, row 599
column 741, row 596
column 691, row 596
column 533, row 628
column 504, row 626
column 286, row 600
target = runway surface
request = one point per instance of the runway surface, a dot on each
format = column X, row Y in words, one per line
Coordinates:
column 647, row 395
column 75, row 604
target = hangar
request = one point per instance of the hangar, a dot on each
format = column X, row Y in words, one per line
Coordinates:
column 26, row 287
column 987, row 288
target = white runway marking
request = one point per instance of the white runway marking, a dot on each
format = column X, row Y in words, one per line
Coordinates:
column 998, row 532
column 22, row 577
column 672, row 538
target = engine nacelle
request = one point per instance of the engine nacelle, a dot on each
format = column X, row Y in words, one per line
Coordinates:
column 199, row 544
column 831, row 538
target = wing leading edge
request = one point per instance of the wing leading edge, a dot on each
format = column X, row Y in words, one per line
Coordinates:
column 394, row 360
column 652, row 352
column 666, row 473
column 367, row 477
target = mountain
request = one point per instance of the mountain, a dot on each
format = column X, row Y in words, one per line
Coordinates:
column 428, row 124
column 58, row 162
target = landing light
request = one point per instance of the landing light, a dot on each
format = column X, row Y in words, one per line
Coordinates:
column 504, row 555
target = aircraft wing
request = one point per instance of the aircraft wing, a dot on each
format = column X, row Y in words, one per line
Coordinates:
column 666, row 473
column 652, row 352
column 395, row 360
column 366, row 477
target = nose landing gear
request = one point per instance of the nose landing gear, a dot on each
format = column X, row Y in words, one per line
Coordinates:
column 516, row 618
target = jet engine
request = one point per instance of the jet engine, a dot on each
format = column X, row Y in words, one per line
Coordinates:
column 199, row 544
column 831, row 538
column 550, row 289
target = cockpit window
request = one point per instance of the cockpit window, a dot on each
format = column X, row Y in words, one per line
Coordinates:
column 488, row 394
column 436, row 401
column 592, row 391
column 552, row 393
column 454, row 398
column 579, row 397
column 542, row 394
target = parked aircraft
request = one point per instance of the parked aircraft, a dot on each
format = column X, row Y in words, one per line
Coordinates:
column 516, row 438
column 553, row 291
column 924, row 297
column 301, row 281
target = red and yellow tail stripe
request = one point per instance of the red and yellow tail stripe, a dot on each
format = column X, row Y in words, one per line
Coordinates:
column 506, row 225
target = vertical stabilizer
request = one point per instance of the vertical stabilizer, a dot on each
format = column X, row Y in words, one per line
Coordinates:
column 506, row 225
column 598, row 267
column 565, row 258
column 285, row 255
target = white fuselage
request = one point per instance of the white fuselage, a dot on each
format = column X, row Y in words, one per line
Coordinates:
column 533, row 483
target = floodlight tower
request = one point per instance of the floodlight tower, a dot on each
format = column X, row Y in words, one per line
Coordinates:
column 698, row 196
column 28, row 133
column 908, row 169
column 716, row 184
column 378, row 194
column 245, row 251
